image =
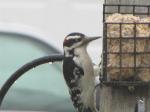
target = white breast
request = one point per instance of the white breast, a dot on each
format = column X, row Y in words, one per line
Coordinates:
column 87, row 81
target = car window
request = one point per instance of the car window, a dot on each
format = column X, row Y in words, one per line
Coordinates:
column 41, row 88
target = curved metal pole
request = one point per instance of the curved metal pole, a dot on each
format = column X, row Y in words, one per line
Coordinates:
column 24, row 69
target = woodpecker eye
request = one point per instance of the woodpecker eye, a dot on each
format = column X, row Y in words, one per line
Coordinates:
column 79, row 39
column 76, row 40
column 70, row 42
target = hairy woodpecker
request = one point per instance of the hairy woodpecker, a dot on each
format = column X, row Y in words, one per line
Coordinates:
column 78, row 71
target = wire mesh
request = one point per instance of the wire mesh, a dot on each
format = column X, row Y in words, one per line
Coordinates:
column 121, row 54
column 137, row 10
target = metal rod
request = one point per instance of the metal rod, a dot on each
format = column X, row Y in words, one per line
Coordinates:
column 24, row 69
column 104, row 10
column 136, row 13
column 147, row 67
column 133, row 10
column 120, row 55
column 118, row 8
column 128, row 23
column 128, row 53
column 135, row 49
column 125, row 83
column 148, row 10
column 104, row 52
column 129, row 38
column 130, row 5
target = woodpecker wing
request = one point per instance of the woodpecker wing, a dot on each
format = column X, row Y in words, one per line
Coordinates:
column 72, row 74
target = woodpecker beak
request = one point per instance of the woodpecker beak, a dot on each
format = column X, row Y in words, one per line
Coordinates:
column 89, row 39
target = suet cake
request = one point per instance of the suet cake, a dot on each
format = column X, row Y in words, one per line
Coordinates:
column 121, row 66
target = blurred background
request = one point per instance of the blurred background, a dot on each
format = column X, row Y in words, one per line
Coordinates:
column 30, row 29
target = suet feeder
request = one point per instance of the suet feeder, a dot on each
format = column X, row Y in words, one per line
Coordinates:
column 126, row 51
column 125, row 78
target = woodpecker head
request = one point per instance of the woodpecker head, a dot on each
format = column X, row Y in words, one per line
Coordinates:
column 75, row 40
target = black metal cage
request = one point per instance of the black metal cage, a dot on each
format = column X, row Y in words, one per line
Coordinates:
column 121, row 53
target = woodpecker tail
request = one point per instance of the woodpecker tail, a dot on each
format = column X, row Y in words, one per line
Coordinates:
column 87, row 110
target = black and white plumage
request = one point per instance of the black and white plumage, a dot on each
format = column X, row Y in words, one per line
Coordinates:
column 78, row 72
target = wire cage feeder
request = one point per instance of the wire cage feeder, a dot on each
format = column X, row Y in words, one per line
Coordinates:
column 122, row 53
